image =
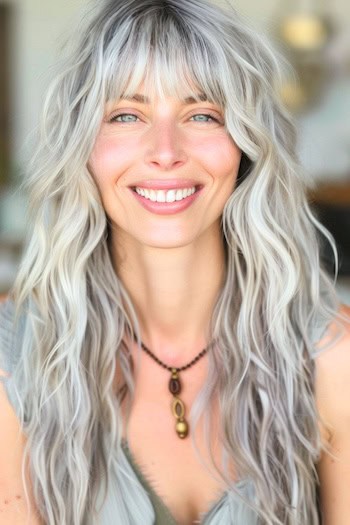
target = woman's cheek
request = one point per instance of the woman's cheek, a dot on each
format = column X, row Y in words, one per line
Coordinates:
column 107, row 160
column 222, row 156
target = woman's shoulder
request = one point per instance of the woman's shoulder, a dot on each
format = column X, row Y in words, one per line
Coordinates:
column 332, row 381
column 332, row 390
column 12, row 438
column 334, row 346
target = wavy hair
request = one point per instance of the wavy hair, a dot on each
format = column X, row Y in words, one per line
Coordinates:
column 273, row 306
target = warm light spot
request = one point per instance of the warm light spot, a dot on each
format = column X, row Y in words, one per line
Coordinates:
column 304, row 32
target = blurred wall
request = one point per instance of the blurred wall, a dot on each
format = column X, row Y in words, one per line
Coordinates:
column 38, row 29
column 262, row 13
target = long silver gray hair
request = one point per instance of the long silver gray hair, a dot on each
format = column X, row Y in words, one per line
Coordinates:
column 274, row 304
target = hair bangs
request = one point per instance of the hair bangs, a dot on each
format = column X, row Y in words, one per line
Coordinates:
column 168, row 58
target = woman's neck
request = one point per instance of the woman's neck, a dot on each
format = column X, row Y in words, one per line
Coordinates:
column 173, row 291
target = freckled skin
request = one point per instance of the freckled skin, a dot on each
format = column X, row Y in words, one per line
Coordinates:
column 7, row 501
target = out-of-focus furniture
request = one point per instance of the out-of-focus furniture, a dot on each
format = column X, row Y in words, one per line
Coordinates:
column 332, row 204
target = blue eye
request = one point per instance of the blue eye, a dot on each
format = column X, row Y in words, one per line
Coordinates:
column 203, row 117
column 124, row 117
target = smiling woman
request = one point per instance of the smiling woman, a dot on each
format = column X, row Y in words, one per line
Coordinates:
column 162, row 146
column 161, row 348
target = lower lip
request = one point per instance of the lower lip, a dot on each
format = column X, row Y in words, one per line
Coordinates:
column 166, row 208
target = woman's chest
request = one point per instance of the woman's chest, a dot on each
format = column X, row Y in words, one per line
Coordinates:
column 185, row 480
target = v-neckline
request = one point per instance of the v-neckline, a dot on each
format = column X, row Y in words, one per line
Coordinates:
column 148, row 485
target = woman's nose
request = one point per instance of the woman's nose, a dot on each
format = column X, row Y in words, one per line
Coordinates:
column 165, row 148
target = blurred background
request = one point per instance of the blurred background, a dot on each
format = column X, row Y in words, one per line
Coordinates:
column 314, row 35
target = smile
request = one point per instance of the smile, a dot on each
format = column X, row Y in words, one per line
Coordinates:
column 172, row 195
column 166, row 202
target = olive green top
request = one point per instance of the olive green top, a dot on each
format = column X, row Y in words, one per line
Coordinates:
column 162, row 513
column 230, row 509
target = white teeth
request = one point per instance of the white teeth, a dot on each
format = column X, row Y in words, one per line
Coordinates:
column 165, row 195
column 170, row 196
column 160, row 196
column 180, row 194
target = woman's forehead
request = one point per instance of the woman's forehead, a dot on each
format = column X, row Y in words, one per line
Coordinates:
column 167, row 72
column 153, row 100
column 148, row 92
column 142, row 98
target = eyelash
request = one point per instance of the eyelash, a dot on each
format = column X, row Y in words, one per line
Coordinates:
column 114, row 117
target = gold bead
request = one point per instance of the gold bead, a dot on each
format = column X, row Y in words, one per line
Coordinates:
column 182, row 428
column 178, row 408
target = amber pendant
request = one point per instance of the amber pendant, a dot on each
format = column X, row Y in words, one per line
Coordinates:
column 178, row 407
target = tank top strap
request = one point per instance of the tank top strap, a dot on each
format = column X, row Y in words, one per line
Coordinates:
column 11, row 336
column 9, row 350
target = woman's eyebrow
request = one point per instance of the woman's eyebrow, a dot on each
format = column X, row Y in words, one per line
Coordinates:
column 143, row 99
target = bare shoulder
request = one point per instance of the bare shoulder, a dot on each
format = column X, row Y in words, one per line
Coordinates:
column 333, row 363
column 332, row 390
column 333, row 370
column 14, row 508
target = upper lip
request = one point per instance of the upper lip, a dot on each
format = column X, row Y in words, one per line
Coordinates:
column 165, row 184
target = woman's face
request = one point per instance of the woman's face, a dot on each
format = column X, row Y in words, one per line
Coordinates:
column 162, row 148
